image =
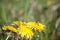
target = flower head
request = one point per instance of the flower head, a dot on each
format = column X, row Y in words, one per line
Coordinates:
column 11, row 28
column 36, row 26
column 25, row 31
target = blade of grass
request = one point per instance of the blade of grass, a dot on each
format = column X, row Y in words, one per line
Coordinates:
column 26, row 9
column 3, row 14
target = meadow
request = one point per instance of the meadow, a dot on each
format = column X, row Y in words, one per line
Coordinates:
column 29, row 19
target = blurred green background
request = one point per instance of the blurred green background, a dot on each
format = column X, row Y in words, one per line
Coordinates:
column 46, row 12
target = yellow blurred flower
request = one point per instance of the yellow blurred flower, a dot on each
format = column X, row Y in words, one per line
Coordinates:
column 36, row 26
column 25, row 31
column 50, row 3
column 11, row 28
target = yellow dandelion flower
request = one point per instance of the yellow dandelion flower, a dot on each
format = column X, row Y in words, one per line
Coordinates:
column 25, row 31
column 11, row 28
column 19, row 23
column 36, row 26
